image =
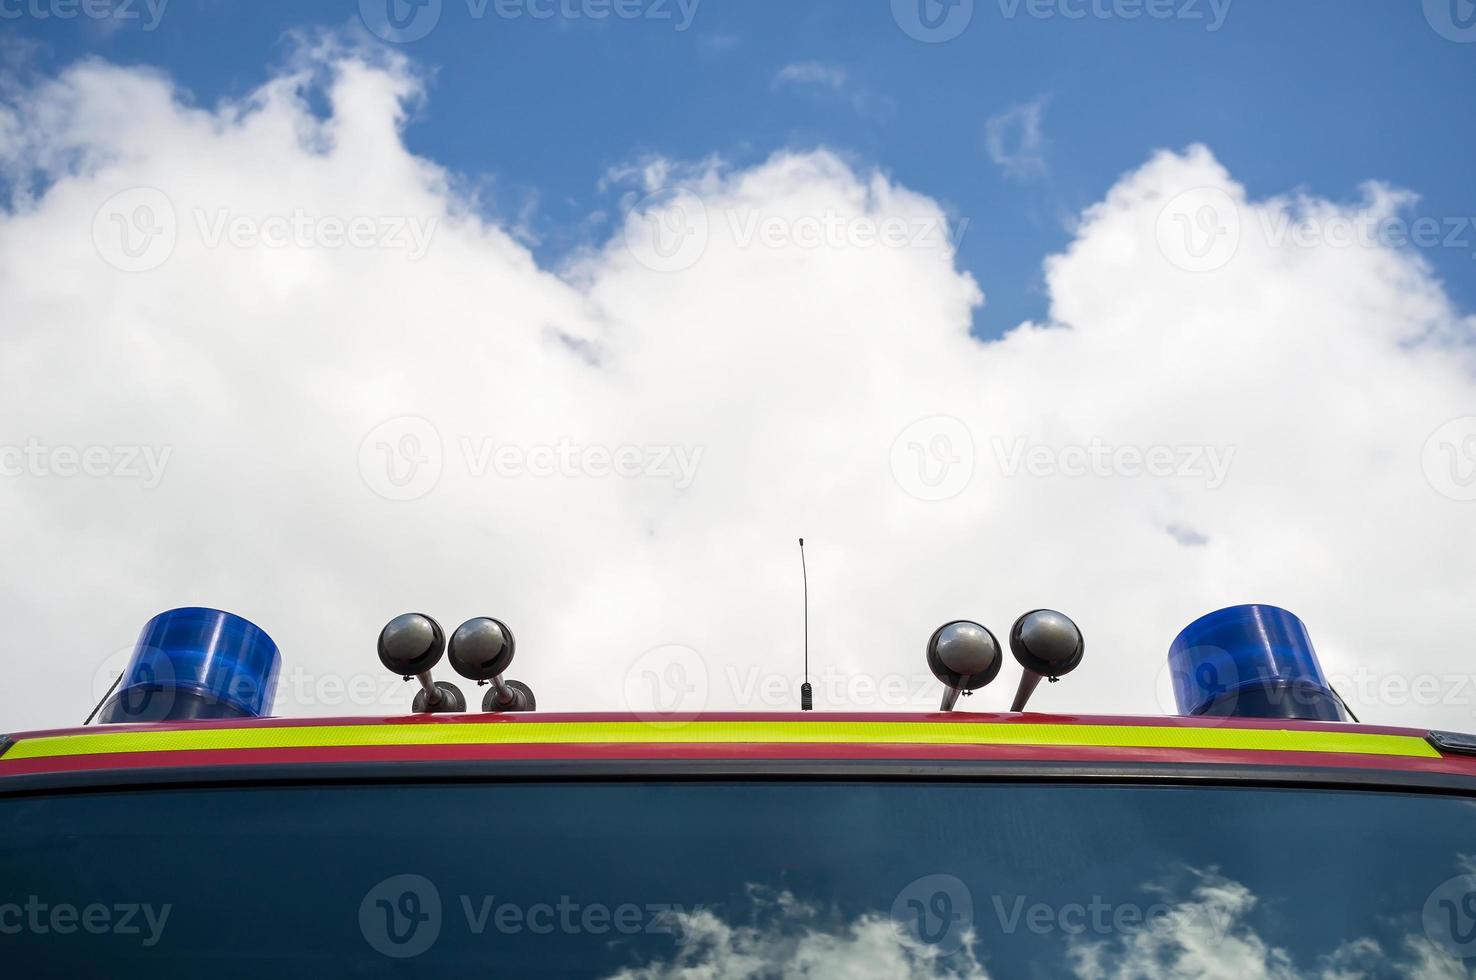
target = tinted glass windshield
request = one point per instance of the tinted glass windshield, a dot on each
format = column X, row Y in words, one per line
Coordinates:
column 719, row 880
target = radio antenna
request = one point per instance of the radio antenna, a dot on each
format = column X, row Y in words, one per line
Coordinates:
column 807, row 693
column 119, row 679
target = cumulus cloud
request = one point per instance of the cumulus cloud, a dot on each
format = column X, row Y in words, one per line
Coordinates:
column 372, row 400
column 789, row 939
column 1206, row 935
column 1200, row 937
column 1203, row 931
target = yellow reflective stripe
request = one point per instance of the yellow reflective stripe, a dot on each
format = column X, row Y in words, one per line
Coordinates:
column 724, row 732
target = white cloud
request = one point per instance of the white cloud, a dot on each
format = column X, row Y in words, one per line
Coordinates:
column 832, row 82
column 1202, row 937
column 791, row 369
column 811, row 73
column 1204, row 932
column 792, row 941
column 1016, row 139
column 1206, row 935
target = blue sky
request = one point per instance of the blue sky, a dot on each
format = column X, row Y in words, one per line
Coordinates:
column 1320, row 95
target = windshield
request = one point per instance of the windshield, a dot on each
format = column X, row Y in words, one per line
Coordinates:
column 719, row 880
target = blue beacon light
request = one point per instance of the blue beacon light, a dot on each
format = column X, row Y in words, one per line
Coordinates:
column 193, row 664
column 1251, row 662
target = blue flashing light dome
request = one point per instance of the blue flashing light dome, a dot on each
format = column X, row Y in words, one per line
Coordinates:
column 197, row 663
column 1251, row 662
